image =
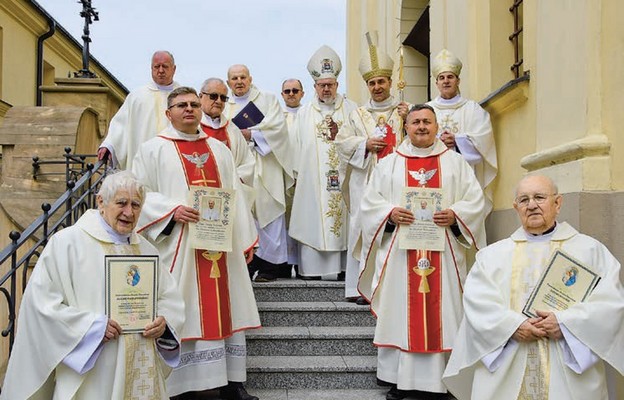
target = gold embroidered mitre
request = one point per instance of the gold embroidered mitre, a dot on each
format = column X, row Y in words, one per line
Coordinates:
column 375, row 62
column 324, row 63
column 445, row 61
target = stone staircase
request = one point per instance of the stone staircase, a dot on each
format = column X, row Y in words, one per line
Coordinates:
column 313, row 344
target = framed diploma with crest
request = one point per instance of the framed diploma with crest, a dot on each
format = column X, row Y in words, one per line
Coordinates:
column 131, row 290
column 423, row 233
column 216, row 208
column 564, row 282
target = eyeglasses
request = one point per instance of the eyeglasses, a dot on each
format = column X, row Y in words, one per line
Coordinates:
column 325, row 85
column 539, row 198
column 215, row 96
column 294, row 91
column 183, row 104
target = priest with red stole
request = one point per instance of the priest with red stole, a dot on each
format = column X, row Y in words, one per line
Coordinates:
column 416, row 295
column 215, row 286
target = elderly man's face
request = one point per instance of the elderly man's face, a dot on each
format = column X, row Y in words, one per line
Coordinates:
column 185, row 113
column 448, row 85
column 239, row 80
column 292, row 93
column 162, row 69
column 326, row 89
column 421, row 126
column 213, row 108
column 379, row 88
column 122, row 211
column 537, row 204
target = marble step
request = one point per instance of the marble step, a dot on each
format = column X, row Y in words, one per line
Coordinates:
column 309, row 341
column 326, row 313
column 311, row 372
column 299, row 290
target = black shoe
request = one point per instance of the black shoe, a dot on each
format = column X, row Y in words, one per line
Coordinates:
column 284, row 271
column 361, row 301
column 396, row 394
column 311, row 278
column 383, row 383
column 341, row 276
column 264, row 278
column 235, row 391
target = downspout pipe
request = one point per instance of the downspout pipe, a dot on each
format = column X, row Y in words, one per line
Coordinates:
column 40, row 40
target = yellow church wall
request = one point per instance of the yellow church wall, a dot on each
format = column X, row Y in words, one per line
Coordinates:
column 612, row 53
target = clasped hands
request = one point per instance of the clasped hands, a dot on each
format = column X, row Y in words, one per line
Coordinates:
column 153, row 330
column 544, row 326
column 400, row 215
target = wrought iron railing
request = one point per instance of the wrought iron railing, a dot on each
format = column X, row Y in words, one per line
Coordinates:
column 82, row 181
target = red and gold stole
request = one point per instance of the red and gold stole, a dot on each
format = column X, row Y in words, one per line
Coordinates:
column 220, row 133
column 424, row 290
column 200, row 169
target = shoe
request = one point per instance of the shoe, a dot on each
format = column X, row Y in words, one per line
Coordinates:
column 351, row 299
column 311, row 278
column 383, row 383
column 264, row 278
column 361, row 301
column 396, row 394
column 341, row 276
column 284, row 271
column 235, row 391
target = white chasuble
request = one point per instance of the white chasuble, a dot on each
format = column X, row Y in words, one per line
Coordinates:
column 319, row 214
column 495, row 292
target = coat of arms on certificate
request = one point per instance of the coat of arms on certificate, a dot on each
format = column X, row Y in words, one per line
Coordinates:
column 564, row 282
column 214, row 229
column 423, row 233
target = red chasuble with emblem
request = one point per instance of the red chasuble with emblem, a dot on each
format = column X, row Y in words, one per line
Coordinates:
column 424, row 275
column 200, row 169
column 220, row 133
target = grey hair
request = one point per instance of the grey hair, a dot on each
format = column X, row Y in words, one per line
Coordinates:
column 118, row 180
column 212, row 80
column 166, row 52
column 548, row 179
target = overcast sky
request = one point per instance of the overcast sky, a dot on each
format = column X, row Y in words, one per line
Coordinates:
column 274, row 38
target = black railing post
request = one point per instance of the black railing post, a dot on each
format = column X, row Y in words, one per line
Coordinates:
column 10, row 329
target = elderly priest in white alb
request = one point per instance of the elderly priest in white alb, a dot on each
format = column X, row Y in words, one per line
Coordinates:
column 500, row 353
column 66, row 346
column 142, row 115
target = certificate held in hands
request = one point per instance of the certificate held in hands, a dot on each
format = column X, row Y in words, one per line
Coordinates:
column 131, row 290
column 249, row 116
column 564, row 282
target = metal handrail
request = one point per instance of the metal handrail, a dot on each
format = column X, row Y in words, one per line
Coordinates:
column 80, row 196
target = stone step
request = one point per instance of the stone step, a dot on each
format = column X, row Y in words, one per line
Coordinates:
column 311, row 372
column 309, row 341
column 314, row 314
column 298, row 290
column 306, row 394
column 328, row 394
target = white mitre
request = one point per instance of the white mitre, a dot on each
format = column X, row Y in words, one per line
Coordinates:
column 375, row 62
column 324, row 64
column 445, row 61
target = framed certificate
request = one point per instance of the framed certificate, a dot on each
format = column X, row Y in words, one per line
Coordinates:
column 131, row 290
column 564, row 282
column 216, row 217
column 423, row 233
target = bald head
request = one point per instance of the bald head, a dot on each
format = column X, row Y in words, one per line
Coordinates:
column 239, row 79
column 163, row 68
column 537, row 203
